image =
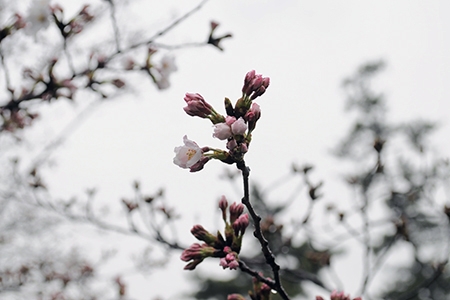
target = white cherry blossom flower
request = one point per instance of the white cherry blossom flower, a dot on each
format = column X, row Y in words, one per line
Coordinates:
column 188, row 155
column 167, row 65
column 38, row 18
column 166, row 68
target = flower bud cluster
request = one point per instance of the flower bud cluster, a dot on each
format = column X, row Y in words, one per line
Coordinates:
column 235, row 128
column 261, row 291
column 254, row 85
column 226, row 248
column 75, row 25
column 335, row 295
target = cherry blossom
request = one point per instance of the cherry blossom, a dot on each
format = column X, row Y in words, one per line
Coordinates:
column 38, row 18
column 166, row 68
column 187, row 155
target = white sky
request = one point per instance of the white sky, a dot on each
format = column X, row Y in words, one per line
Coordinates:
column 306, row 48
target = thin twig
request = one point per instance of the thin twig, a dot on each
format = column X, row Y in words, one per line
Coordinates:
column 6, row 72
column 270, row 258
column 114, row 24
column 177, row 21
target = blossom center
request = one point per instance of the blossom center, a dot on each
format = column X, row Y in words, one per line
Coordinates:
column 190, row 153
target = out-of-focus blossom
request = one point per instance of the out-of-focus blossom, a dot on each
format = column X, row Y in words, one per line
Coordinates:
column 163, row 83
column 188, row 155
column 167, row 65
column 235, row 297
column 335, row 295
column 166, row 68
column 38, row 18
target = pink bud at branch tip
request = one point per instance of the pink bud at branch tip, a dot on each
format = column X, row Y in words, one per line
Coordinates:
column 197, row 106
column 255, row 85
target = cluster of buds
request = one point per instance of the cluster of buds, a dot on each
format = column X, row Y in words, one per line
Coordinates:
column 159, row 72
column 235, row 128
column 74, row 25
column 16, row 118
column 261, row 291
column 225, row 247
column 335, row 295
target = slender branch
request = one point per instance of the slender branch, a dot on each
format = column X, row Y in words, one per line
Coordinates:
column 114, row 24
column 5, row 71
column 368, row 248
column 270, row 258
column 380, row 260
column 246, row 269
column 177, row 21
column 426, row 283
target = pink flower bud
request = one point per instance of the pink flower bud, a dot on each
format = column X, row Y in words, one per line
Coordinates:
column 229, row 120
column 253, row 114
column 244, row 148
column 247, row 80
column 231, row 144
column 229, row 261
column 265, row 289
column 193, row 252
column 223, row 263
column 197, row 106
column 239, row 127
column 214, row 25
column 222, row 131
column 203, row 235
column 266, row 82
column 193, row 264
column 235, row 211
column 233, row 265
column 255, row 85
column 227, row 250
column 119, row 83
column 235, row 297
column 241, row 224
column 256, row 82
column 258, row 92
column 335, row 295
column 200, row 164
column 197, row 251
column 223, row 204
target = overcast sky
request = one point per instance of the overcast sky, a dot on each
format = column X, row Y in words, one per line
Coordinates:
column 306, row 48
